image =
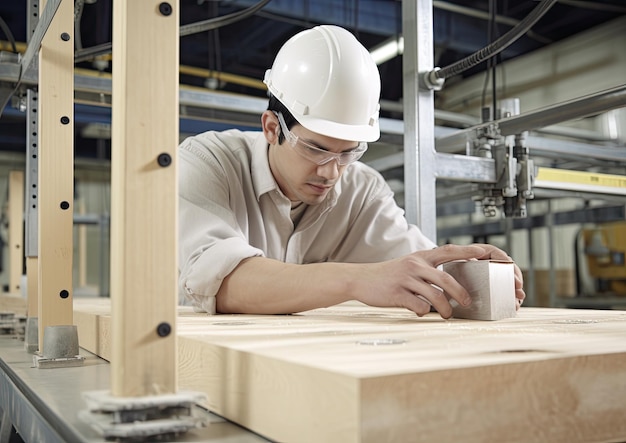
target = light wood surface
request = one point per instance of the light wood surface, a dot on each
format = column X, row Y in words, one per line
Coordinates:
column 144, row 206
column 12, row 303
column 16, row 230
column 56, row 170
column 32, row 286
column 353, row 373
column 82, row 245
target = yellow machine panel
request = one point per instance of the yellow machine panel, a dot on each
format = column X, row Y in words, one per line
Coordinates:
column 605, row 248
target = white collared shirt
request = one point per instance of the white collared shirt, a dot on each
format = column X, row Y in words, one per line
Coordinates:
column 231, row 208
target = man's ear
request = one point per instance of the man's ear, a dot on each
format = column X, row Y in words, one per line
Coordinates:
column 270, row 126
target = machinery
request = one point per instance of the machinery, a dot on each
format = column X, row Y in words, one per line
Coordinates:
column 604, row 252
column 515, row 171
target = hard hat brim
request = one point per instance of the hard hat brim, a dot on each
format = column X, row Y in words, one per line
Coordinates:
column 360, row 133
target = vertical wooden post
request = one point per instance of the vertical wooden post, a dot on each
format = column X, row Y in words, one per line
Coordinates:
column 144, row 197
column 16, row 230
column 56, row 170
column 82, row 246
column 32, row 287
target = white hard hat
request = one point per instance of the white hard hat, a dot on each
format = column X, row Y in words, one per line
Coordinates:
column 329, row 82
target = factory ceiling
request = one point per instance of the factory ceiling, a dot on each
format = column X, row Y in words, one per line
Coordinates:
column 244, row 48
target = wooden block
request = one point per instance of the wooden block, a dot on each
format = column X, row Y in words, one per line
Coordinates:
column 12, row 303
column 354, row 373
column 490, row 283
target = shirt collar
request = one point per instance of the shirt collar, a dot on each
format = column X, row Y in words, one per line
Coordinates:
column 263, row 178
column 261, row 173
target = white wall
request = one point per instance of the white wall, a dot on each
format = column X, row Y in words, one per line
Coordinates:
column 586, row 63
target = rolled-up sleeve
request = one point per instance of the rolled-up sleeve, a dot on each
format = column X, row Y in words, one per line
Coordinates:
column 378, row 229
column 211, row 243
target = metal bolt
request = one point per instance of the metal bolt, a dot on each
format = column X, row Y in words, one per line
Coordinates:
column 165, row 8
column 65, row 120
column 164, row 159
column 64, row 294
column 65, row 37
column 164, row 329
column 64, row 205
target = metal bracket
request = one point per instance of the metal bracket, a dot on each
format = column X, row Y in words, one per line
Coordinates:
column 31, row 335
column 7, row 322
column 144, row 417
column 60, row 348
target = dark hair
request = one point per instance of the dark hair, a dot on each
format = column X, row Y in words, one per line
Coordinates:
column 276, row 106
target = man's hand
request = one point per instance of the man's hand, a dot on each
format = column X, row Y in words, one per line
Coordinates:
column 498, row 254
column 415, row 283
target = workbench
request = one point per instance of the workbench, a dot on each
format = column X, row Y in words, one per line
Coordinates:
column 44, row 404
column 353, row 373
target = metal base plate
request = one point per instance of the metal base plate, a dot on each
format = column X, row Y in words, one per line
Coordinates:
column 49, row 363
column 144, row 417
column 7, row 322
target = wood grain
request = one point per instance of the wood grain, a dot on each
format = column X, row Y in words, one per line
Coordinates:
column 56, row 171
column 353, row 373
column 144, row 269
column 12, row 303
column 16, row 230
column 32, row 286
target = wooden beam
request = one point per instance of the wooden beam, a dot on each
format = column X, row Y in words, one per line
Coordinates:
column 82, row 246
column 56, row 170
column 353, row 373
column 16, row 230
column 11, row 303
column 32, row 286
column 144, row 204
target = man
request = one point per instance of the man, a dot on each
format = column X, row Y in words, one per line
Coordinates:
column 287, row 219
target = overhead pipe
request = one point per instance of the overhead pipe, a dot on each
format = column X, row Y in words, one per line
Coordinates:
column 561, row 112
column 189, row 29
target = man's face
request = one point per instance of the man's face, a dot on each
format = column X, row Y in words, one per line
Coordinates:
column 300, row 179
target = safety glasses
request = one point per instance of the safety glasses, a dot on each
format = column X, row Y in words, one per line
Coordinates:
column 315, row 154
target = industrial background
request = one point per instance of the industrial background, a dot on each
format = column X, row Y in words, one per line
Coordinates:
column 574, row 50
column 525, row 150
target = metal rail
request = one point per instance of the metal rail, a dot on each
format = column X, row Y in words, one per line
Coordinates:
column 578, row 108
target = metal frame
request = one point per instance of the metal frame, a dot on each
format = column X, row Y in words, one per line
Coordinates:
column 419, row 148
column 581, row 107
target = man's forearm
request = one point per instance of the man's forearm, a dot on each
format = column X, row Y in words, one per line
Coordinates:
column 264, row 286
column 260, row 285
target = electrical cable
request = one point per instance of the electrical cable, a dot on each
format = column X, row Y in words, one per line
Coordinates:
column 494, row 63
column 78, row 14
column 594, row 6
column 7, row 92
column 471, row 12
column 489, row 72
column 498, row 46
column 218, row 22
column 192, row 28
column 9, row 34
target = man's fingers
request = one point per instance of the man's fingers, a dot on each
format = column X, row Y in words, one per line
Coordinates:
column 438, row 289
column 437, row 299
column 416, row 303
column 448, row 253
